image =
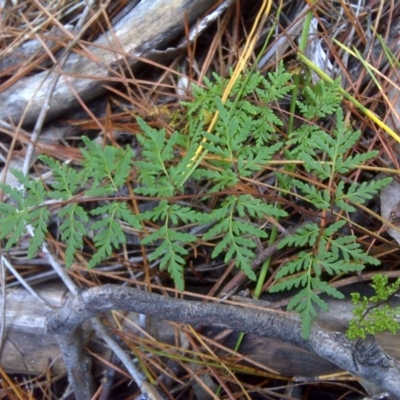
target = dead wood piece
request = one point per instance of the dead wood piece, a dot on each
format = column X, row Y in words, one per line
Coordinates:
column 29, row 348
column 25, row 332
column 147, row 28
column 374, row 366
column 32, row 49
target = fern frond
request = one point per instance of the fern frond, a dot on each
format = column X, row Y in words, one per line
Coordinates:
column 320, row 100
column 319, row 198
column 37, row 218
column 306, row 235
column 72, row 229
column 109, row 233
column 237, row 234
column 170, row 242
column 109, row 164
column 359, row 193
column 67, row 181
column 29, row 210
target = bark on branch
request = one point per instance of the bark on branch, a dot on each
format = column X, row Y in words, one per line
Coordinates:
column 366, row 359
column 142, row 33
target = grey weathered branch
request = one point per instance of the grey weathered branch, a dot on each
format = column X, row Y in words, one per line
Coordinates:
column 142, row 33
column 368, row 360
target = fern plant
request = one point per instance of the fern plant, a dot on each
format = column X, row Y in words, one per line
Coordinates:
column 239, row 147
column 106, row 170
column 325, row 252
column 231, row 158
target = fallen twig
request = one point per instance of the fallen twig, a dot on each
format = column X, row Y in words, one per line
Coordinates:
column 366, row 359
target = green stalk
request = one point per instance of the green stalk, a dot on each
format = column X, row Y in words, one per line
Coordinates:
column 296, row 78
column 265, row 266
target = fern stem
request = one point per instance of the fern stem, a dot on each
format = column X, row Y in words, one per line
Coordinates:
column 296, row 78
column 265, row 266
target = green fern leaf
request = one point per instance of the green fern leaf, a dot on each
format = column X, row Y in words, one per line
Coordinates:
column 320, row 100
column 352, row 162
column 112, row 165
column 276, row 87
column 185, row 214
column 358, row 193
column 221, row 179
column 324, row 287
column 72, row 229
column 171, row 249
column 303, row 139
column 319, row 198
column 248, row 205
column 237, row 235
column 12, row 224
column 305, row 303
column 306, row 235
column 16, row 195
column 67, row 181
column 248, row 163
column 29, row 211
column 169, row 252
column 351, row 250
column 302, row 262
column 322, row 170
column 38, row 219
column 109, row 233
